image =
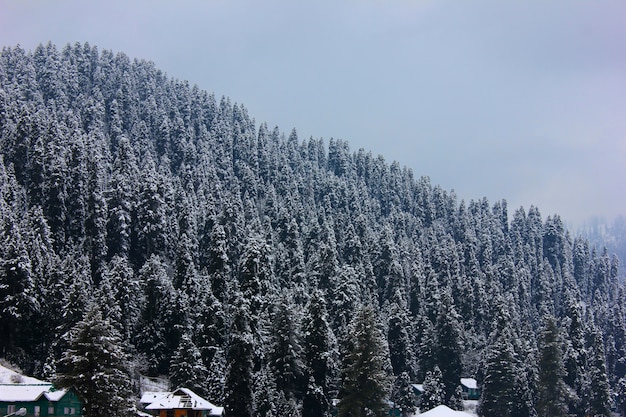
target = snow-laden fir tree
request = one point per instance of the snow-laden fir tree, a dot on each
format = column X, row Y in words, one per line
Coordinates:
column 238, row 398
column 552, row 391
column 285, row 355
column 215, row 378
column 499, row 386
column 315, row 403
column 402, row 395
column 448, row 349
column 434, row 391
column 574, row 357
column 187, row 368
column 256, row 277
column 364, row 380
column 17, row 295
column 620, row 397
column 154, row 334
column 265, row 393
column 95, row 366
column 599, row 396
column 400, row 343
column 318, row 347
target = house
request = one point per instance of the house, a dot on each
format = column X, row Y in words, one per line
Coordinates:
column 39, row 400
column 470, row 389
column 182, row 402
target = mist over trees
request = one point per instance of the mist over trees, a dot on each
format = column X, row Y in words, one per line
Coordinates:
column 262, row 263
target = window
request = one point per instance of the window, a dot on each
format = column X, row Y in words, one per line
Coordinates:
column 11, row 408
column 66, row 410
column 37, row 411
column 51, row 411
column 72, row 411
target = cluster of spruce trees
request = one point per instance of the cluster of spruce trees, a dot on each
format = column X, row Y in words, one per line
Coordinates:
column 272, row 274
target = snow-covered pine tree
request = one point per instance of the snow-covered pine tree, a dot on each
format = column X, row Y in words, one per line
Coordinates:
column 256, row 276
column 285, row 355
column 265, row 393
column 552, row 391
column 599, row 396
column 187, row 369
column 364, row 385
column 498, row 389
column 400, row 344
column 402, row 395
column 574, row 358
column 95, row 366
column 434, row 391
column 238, row 398
column 620, row 397
column 315, row 403
column 216, row 375
column 448, row 349
column 152, row 338
column 318, row 346
column 17, row 296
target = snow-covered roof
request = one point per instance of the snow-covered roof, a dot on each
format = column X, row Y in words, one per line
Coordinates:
column 181, row 398
column 443, row 411
column 469, row 383
column 55, row 395
column 419, row 387
column 27, row 389
column 149, row 397
column 29, row 392
column 22, row 392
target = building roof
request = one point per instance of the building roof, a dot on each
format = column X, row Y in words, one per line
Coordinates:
column 149, row 397
column 29, row 392
column 179, row 399
column 443, row 411
column 469, row 383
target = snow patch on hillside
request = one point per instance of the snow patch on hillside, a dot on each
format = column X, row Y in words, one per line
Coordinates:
column 151, row 384
column 10, row 376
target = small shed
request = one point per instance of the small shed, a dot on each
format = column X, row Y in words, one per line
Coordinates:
column 182, row 402
column 470, row 389
column 39, row 400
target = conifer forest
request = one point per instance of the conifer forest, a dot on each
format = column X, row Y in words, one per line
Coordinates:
column 274, row 274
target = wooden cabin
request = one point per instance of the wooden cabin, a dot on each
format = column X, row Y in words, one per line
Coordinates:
column 470, row 389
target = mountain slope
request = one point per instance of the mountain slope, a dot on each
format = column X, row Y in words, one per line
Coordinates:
column 177, row 214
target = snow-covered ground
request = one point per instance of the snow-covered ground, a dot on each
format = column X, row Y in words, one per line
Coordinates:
column 9, row 376
column 149, row 384
column 470, row 406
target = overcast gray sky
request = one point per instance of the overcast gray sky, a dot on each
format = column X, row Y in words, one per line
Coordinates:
column 522, row 100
